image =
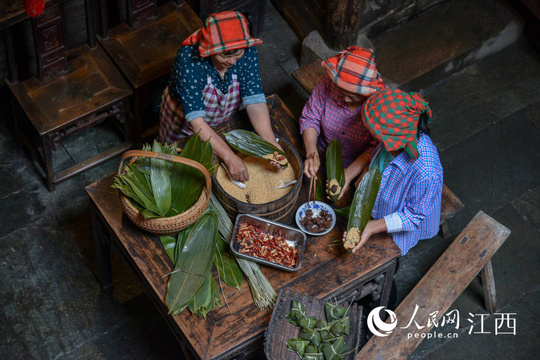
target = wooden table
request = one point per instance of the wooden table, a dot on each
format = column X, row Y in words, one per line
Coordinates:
column 327, row 272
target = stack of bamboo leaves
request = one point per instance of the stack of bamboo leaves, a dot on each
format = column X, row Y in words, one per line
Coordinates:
column 319, row 339
column 159, row 188
column 191, row 284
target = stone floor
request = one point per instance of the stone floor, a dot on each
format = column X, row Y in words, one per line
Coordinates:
column 486, row 125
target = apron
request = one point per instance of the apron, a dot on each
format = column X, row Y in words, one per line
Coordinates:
column 219, row 107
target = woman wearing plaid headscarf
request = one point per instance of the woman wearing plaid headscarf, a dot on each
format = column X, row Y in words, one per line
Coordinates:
column 408, row 204
column 215, row 73
column 333, row 111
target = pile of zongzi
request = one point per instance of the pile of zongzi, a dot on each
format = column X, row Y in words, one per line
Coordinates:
column 320, row 339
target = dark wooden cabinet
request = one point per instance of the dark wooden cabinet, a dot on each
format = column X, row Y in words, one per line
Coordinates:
column 253, row 10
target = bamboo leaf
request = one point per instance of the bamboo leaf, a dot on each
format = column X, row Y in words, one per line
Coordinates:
column 169, row 244
column 146, row 201
column 252, row 144
column 334, row 169
column 319, row 190
column 187, row 182
column 193, row 264
column 202, row 298
column 362, row 205
column 181, row 242
column 343, row 212
column 226, row 265
column 161, row 182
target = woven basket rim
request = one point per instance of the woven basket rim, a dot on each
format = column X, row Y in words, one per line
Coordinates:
column 163, row 219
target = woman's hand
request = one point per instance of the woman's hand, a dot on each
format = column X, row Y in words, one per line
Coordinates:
column 372, row 227
column 273, row 163
column 236, row 167
column 350, row 173
column 312, row 164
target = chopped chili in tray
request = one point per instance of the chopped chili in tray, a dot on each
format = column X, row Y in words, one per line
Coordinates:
column 252, row 241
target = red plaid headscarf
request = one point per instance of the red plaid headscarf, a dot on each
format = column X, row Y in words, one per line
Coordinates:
column 392, row 117
column 354, row 70
column 222, row 32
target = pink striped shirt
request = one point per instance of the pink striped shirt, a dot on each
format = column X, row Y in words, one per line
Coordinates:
column 327, row 112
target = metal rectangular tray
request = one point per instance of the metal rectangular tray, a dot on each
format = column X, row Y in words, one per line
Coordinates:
column 294, row 237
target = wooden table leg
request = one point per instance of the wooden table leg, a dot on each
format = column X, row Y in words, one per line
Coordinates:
column 47, row 141
column 381, row 297
column 488, row 284
column 103, row 251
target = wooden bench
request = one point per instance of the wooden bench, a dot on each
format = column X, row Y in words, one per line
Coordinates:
column 308, row 76
column 470, row 253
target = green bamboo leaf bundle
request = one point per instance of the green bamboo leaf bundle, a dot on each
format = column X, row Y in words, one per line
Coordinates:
column 252, row 144
column 159, row 188
column 193, row 264
column 335, row 173
column 361, row 207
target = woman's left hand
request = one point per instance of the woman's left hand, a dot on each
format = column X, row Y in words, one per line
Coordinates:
column 273, row 163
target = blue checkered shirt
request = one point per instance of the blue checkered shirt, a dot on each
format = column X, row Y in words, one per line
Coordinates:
column 409, row 198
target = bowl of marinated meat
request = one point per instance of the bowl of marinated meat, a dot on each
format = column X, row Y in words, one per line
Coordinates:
column 315, row 218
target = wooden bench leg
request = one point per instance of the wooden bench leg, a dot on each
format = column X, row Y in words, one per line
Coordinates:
column 444, row 230
column 488, row 284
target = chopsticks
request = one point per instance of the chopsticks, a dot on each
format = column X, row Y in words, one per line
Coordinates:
column 312, row 190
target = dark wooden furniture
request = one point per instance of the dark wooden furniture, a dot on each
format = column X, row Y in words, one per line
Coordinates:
column 440, row 287
column 143, row 48
column 75, row 89
column 253, row 10
column 327, row 272
column 308, row 76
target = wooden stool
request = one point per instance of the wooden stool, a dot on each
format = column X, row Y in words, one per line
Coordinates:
column 144, row 47
column 75, row 89
column 469, row 254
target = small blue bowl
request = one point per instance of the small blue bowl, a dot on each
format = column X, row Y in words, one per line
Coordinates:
column 316, row 207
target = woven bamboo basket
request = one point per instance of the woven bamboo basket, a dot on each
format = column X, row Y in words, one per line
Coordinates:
column 166, row 225
column 280, row 330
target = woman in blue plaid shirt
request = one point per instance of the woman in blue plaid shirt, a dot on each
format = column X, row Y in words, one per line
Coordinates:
column 408, row 204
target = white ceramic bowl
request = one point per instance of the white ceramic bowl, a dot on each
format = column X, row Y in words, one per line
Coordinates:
column 316, row 207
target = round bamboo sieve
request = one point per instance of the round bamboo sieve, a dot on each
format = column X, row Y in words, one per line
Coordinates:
column 166, row 225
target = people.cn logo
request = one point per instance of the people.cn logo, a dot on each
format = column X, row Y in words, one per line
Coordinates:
column 377, row 326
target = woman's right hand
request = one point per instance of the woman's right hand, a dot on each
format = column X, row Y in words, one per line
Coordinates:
column 236, row 167
column 312, row 164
